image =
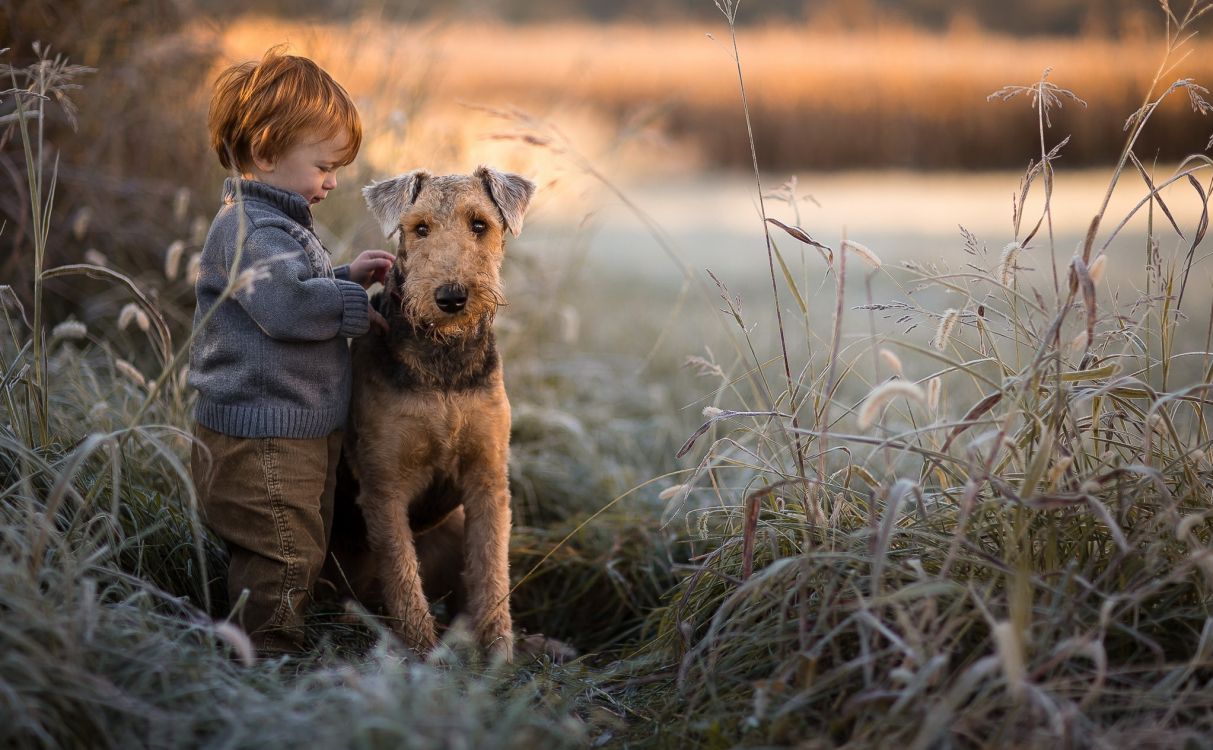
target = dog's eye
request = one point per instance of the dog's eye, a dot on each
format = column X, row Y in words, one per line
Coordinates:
column 478, row 226
column 422, row 230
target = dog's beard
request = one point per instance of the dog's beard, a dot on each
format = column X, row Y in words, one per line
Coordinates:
column 425, row 317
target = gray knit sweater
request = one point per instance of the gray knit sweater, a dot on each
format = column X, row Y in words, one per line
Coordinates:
column 273, row 360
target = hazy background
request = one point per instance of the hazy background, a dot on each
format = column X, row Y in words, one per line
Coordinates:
column 628, row 115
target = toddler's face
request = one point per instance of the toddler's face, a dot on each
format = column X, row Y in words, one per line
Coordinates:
column 308, row 168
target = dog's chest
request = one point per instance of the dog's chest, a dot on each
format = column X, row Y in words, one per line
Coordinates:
column 437, row 432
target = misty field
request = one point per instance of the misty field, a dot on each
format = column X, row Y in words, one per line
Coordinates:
column 843, row 494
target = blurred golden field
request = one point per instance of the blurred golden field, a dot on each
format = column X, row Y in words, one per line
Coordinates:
column 887, row 98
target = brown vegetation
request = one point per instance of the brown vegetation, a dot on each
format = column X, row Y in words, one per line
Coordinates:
column 819, row 100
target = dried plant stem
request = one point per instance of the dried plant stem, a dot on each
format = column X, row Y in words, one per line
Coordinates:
column 793, row 390
column 40, row 210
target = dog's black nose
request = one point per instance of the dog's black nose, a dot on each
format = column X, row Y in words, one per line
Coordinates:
column 451, row 298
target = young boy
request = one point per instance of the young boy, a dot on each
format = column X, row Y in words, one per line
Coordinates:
column 271, row 364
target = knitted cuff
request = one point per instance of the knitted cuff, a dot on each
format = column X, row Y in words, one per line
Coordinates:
column 356, row 319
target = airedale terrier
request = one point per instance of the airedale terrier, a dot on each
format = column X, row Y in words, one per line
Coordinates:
column 428, row 439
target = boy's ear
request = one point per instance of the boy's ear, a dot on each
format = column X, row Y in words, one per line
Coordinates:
column 257, row 148
column 387, row 200
column 512, row 194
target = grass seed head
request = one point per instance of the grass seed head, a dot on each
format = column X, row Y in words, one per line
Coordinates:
column 172, row 259
column 194, row 268
column 934, row 391
column 233, row 636
column 869, row 257
column 944, row 332
column 131, row 372
column 181, row 203
column 874, row 405
column 69, row 330
column 132, row 312
column 1007, row 263
column 671, row 491
column 892, row 360
column 81, row 221
column 248, row 278
column 1059, row 470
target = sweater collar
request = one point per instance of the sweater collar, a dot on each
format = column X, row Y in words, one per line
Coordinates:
column 292, row 204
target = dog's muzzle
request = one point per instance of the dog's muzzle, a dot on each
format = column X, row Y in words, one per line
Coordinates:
column 451, row 298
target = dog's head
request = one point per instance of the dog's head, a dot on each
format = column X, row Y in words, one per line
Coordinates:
column 450, row 233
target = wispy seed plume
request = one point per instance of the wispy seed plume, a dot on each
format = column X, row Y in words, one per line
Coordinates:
column 892, row 360
column 131, row 372
column 1007, row 263
column 869, row 257
column 172, row 259
column 880, row 397
column 944, row 332
column 132, row 313
column 69, row 330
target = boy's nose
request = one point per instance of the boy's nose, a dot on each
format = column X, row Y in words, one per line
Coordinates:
column 330, row 182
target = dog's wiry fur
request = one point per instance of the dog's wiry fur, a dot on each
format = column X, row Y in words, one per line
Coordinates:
column 428, row 439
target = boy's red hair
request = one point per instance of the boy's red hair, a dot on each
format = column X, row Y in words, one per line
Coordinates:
column 266, row 107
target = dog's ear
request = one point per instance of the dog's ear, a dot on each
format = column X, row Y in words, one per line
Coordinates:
column 387, row 200
column 512, row 194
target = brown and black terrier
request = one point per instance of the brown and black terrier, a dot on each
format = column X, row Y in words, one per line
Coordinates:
column 429, row 428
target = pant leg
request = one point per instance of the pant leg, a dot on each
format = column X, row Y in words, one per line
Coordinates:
column 270, row 501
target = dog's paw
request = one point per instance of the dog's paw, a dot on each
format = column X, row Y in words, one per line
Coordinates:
column 496, row 636
column 419, row 633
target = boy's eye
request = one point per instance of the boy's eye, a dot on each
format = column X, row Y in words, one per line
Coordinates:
column 478, row 226
column 422, row 230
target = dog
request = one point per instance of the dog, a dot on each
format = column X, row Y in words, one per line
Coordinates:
column 427, row 444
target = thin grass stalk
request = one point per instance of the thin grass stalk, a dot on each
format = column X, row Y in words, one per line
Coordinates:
column 832, row 368
column 33, row 172
column 1047, row 175
column 731, row 15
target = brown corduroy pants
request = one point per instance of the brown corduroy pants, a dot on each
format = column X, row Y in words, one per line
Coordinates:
column 271, row 502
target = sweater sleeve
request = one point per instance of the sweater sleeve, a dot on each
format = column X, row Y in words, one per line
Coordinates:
column 286, row 301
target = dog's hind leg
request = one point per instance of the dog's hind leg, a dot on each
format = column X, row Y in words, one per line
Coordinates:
column 392, row 543
column 440, row 553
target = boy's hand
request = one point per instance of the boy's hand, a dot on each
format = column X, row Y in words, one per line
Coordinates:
column 370, row 267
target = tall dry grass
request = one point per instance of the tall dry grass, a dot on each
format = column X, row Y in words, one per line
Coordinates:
column 993, row 532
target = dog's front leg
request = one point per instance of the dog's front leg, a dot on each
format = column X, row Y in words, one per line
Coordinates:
column 487, row 564
column 392, row 543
